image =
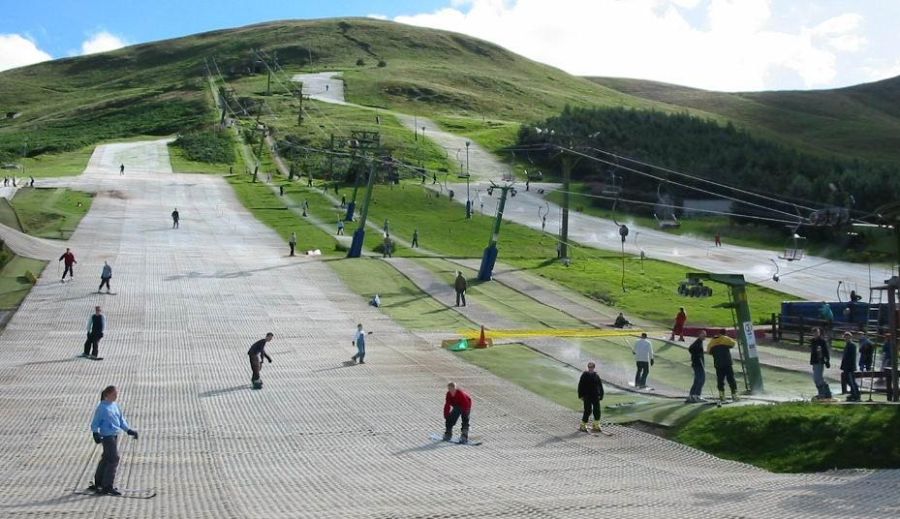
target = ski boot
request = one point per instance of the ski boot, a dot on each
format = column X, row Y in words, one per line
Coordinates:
column 464, row 436
column 257, row 384
column 583, row 427
column 721, row 396
column 448, row 434
column 595, row 427
column 734, row 397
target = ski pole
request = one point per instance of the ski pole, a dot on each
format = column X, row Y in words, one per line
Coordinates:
column 83, row 470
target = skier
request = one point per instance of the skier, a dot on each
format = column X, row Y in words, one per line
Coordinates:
column 678, row 329
column 96, row 325
column 31, row 182
column 175, row 217
column 590, row 391
column 105, row 276
column 820, row 360
column 456, row 404
column 460, row 285
column 697, row 364
column 375, row 301
column 720, row 349
column 257, row 353
column 68, row 260
column 105, row 426
column 643, row 356
column 121, row 169
column 415, row 238
column 359, row 340
column 848, row 367
column 293, row 242
column 340, row 227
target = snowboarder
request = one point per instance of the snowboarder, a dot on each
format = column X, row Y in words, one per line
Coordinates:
column 375, row 301
column 359, row 340
column 820, row 360
column 340, row 227
column 678, row 329
column 643, row 356
column 121, row 169
column 720, row 349
column 590, row 392
column 457, row 404
column 415, row 238
column 105, row 276
column 697, row 364
column 108, row 421
column 96, row 325
column 257, row 353
column 621, row 321
column 68, row 260
column 848, row 367
column 460, row 285
column 293, row 242
column 175, row 218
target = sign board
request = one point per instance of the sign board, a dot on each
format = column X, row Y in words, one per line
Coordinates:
column 750, row 337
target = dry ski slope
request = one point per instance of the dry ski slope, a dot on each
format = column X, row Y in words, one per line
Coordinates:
column 321, row 439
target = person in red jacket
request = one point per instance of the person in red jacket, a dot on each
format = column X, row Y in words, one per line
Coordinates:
column 69, row 262
column 457, row 404
column 680, row 319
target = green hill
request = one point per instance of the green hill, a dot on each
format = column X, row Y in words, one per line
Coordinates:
column 862, row 121
column 158, row 88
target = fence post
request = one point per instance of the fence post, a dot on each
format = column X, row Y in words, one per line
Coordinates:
column 802, row 328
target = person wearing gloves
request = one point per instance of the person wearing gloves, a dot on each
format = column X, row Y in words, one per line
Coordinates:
column 257, row 353
column 106, row 425
column 643, row 356
column 590, row 391
column 457, row 404
column 820, row 360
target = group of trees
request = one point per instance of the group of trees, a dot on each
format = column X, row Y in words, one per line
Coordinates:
column 710, row 150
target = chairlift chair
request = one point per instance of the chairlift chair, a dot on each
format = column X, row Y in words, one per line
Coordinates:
column 794, row 250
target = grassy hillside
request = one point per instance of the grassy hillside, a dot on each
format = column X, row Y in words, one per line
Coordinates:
column 858, row 122
column 158, row 88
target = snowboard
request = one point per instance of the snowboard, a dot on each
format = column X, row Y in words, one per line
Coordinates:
column 440, row 438
column 646, row 388
column 128, row 493
column 595, row 433
column 90, row 358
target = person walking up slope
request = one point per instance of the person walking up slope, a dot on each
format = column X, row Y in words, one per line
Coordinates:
column 108, row 421
column 175, row 218
column 457, row 404
column 68, row 260
column 293, row 242
column 720, row 349
column 257, row 353
column 697, row 364
column 460, row 285
column 643, row 356
column 590, row 391
column 848, row 367
column 105, row 276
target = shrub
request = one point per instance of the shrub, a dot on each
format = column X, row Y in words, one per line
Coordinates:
column 382, row 63
column 214, row 147
column 360, row 62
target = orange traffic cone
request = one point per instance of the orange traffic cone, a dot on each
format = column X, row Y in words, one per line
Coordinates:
column 482, row 343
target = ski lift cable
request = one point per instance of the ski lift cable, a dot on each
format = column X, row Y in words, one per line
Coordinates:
column 661, row 179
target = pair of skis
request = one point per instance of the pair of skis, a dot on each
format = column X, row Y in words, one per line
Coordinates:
column 128, row 493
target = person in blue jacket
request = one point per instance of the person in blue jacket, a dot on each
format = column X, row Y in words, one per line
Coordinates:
column 106, row 425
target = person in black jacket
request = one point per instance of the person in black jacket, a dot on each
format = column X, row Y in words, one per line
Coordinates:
column 820, row 360
column 699, row 367
column 257, row 353
column 590, row 391
column 848, row 367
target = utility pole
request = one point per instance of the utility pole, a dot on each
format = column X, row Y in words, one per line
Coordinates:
column 359, row 235
column 468, row 177
column 300, row 111
column 489, row 258
column 365, row 141
column 564, row 228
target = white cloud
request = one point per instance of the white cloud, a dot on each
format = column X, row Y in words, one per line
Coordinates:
column 377, row 16
column 17, row 51
column 877, row 69
column 736, row 49
column 102, row 42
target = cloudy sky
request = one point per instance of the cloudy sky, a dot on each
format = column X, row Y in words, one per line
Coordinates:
column 713, row 44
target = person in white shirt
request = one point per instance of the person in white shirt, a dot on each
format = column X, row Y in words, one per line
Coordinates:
column 643, row 356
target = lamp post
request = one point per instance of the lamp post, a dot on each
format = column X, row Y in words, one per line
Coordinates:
column 468, row 176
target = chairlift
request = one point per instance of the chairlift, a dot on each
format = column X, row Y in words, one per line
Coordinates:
column 665, row 205
column 614, row 186
column 795, row 248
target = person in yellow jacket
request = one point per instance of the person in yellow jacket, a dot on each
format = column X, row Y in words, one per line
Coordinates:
column 720, row 349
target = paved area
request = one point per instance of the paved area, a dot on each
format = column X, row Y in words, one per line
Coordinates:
column 323, row 439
